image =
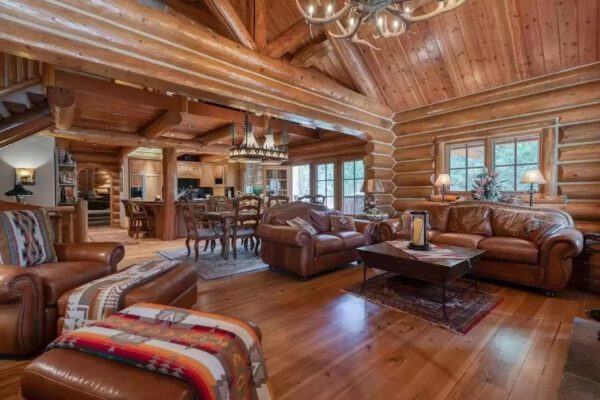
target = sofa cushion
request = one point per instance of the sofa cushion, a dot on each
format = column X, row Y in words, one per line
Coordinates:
column 510, row 249
column 25, row 238
column 405, row 235
column 510, row 223
column 458, row 239
column 58, row 278
column 351, row 239
column 325, row 244
column 470, row 219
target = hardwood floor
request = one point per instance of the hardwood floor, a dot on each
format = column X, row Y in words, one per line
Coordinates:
column 322, row 343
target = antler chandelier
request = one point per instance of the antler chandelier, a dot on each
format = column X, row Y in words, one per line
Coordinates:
column 251, row 150
column 359, row 20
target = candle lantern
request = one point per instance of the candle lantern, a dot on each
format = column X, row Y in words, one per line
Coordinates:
column 419, row 222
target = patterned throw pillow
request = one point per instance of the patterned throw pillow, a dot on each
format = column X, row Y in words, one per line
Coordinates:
column 299, row 223
column 537, row 230
column 342, row 223
column 25, row 238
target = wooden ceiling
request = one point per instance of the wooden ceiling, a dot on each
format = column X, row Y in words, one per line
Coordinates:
column 482, row 45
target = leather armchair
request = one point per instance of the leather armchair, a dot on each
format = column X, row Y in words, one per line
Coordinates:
column 29, row 295
column 302, row 253
column 497, row 228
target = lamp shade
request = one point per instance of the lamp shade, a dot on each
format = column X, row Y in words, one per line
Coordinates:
column 372, row 186
column 533, row 176
column 443, row 180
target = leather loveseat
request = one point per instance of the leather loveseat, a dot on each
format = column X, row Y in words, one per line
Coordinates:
column 29, row 295
column 499, row 229
column 302, row 253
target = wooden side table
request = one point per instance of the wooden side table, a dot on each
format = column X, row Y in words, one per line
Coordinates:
column 586, row 273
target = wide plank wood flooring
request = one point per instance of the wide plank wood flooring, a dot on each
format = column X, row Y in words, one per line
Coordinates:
column 322, row 343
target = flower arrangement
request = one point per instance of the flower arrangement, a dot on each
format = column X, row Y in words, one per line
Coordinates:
column 486, row 186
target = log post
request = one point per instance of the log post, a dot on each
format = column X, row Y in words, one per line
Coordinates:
column 81, row 221
column 169, row 187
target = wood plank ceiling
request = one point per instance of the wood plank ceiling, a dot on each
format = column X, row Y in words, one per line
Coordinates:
column 482, row 45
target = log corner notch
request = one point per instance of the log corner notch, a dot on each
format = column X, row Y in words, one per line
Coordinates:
column 62, row 107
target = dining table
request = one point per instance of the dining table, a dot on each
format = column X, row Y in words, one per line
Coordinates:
column 226, row 219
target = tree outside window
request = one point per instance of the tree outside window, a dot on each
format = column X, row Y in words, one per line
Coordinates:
column 512, row 158
column 465, row 162
column 300, row 181
column 326, row 183
column 354, row 174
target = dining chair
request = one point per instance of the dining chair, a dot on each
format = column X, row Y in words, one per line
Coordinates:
column 277, row 201
column 199, row 229
column 219, row 203
column 245, row 222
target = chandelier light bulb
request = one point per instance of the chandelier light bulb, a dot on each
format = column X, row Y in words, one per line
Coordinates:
column 352, row 21
column 311, row 10
column 396, row 24
column 329, row 8
column 380, row 21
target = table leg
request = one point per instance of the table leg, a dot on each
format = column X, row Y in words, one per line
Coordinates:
column 444, row 302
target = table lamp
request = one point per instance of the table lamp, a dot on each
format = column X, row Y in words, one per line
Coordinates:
column 443, row 180
column 19, row 193
column 533, row 177
column 369, row 188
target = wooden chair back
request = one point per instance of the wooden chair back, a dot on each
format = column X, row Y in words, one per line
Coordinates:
column 247, row 211
column 127, row 206
column 219, row 203
column 277, row 200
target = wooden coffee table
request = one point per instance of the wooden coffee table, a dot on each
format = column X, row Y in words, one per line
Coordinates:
column 386, row 257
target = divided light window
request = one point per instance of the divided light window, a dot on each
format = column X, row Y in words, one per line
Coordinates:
column 354, row 173
column 326, row 183
column 300, row 181
column 513, row 157
column 465, row 161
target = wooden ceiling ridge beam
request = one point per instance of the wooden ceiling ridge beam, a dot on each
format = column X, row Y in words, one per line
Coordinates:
column 225, row 12
column 186, row 59
column 105, row 137
column 167, row 121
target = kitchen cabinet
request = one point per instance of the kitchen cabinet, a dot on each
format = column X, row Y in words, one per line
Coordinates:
column 145, row 179
column 153, row 187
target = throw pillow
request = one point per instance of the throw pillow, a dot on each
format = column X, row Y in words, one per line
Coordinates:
column 299, row 223
column 342, row 223
column 25, row 238
column 320, row 219
column 537, row 230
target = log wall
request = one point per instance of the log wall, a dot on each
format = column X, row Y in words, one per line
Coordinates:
column 564, row 108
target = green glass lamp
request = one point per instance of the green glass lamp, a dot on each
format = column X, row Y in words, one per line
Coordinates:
column 19, row 193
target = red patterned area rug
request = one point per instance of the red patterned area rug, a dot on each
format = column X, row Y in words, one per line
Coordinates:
column 465, row 307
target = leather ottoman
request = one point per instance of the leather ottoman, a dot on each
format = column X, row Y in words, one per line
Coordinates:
column 176, row 287
column 62, row 374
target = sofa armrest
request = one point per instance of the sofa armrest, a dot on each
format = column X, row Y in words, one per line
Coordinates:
column 367, row 228
column 104, row 252
column 22, row 318
column 570, row 237
column 389, row 228
column 285, row 235
column 556, row 254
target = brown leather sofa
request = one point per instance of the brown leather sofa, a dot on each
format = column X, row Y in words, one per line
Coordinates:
column 495, row 227
column 29, row 296
column 302, row 253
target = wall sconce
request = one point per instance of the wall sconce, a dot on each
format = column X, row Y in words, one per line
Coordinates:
column 533, row 177
column 19, row 193
column 25, row 176
column 443, row 180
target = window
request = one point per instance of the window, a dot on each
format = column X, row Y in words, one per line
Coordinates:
column 300, row 181
column 326, row 183
column 354, row 173
column 465, row 162
column 512, row 158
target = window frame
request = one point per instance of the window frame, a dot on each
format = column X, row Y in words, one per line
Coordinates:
column 516, row 165
column 354, row 180
column 333, row 180
column 292, row 194
column 470, row 143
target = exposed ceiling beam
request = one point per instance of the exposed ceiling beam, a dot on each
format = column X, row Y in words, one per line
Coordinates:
column 62, row 107
column 100, row 136
column 224, row 11
column 162, row 124
column 218, row 135
column 197, row 13
column 309, row 55
column 356, row 67
column 256, row 11
column 290, row 40
column 183, row 58
column 20, row 126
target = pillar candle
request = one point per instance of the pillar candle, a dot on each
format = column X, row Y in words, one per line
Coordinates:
column 418, row 237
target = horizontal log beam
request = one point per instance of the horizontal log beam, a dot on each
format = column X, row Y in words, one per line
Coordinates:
column 167, row 121
column 20, row 126
column 133, row 140
column 183, row 58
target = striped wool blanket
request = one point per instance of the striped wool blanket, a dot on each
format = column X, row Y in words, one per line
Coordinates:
column 219, row 357
column 100, row 298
